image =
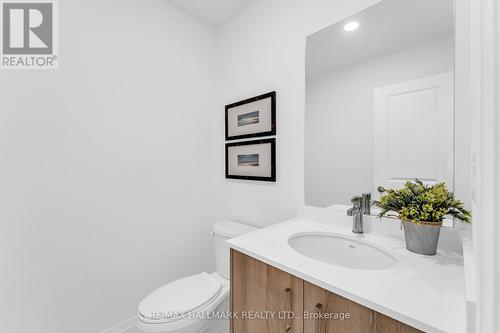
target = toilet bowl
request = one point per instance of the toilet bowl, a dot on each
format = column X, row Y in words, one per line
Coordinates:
column 197, row 303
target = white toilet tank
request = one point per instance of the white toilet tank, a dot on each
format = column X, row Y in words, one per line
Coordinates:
column 224, row 230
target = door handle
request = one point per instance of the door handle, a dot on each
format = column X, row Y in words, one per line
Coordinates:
column 288, row 292
column 317, row 323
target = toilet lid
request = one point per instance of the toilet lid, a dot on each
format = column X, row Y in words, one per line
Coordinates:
column 180, row 297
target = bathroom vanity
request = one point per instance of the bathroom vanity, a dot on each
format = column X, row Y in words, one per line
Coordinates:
column 272, row 275
column 261, row 288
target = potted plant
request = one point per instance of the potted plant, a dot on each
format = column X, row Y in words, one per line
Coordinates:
column 421, row 209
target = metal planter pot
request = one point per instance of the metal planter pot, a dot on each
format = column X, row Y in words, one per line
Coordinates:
column 422, row 238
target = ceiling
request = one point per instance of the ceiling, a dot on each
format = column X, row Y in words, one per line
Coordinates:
column 387, row 27
column 212, row 12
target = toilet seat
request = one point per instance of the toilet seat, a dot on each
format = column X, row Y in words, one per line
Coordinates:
column 178, row 299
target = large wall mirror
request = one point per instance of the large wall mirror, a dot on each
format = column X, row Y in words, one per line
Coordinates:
column 380, row 101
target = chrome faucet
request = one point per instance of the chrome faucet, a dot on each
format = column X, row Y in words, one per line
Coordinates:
column 360, row 205
column 357, row 214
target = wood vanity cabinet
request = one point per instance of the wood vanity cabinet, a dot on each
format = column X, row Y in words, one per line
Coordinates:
column 384, row 324
column 262, row 296
column 322, row 303
column 361, row 319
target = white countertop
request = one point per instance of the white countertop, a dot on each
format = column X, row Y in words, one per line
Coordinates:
column 426, row 292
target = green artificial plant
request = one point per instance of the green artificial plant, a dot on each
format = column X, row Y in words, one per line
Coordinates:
column 417, row 202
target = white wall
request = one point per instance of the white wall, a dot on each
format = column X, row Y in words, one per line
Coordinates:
column 339, row 119
column 263, row 49
column 105, row 167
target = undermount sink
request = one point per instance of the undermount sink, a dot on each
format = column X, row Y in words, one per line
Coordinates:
column 339, row 250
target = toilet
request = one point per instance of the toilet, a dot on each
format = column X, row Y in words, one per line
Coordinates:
column 197, row 303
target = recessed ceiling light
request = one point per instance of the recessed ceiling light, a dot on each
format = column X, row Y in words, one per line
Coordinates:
column 351, row 26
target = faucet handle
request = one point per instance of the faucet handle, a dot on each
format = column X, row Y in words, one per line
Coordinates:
column 357, row 200
column 356, row 205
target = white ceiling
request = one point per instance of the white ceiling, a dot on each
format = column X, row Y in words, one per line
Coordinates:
column 212, row 12
column 387, row 27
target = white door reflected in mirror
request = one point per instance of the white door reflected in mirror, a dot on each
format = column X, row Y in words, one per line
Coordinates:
column 413, row 133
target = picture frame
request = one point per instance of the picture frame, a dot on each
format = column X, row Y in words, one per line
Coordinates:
column 251, row 160
column 252, row 117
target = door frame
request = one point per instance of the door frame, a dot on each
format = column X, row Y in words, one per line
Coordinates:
column 484, row 84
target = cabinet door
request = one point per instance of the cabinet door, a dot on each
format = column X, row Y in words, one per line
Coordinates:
column 326, row 312
column 384, row 324
column 264, row 298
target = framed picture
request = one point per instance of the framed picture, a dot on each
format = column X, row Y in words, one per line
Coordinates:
column 252, row 117
column 251, row 160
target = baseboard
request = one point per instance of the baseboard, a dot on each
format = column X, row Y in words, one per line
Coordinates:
column 122, row 327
